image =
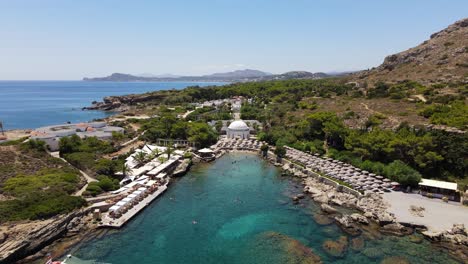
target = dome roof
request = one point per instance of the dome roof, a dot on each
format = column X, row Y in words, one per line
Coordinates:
column 238, row 125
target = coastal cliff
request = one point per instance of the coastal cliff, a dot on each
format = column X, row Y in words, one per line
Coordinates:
column 21, row 240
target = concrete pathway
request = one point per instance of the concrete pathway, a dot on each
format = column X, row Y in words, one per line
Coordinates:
column 437, row 215
column 88, row 178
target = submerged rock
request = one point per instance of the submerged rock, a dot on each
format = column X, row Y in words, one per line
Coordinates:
column 395, row 260
column 322, row 219
column 373, row 253
column 284, row 249
column 416, row 239
column 357, row 244
column 336, row 248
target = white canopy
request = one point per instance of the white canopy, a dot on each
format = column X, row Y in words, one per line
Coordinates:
column 438, row 184
column 120, row 203
column 161, row 175
column 205, row 150
column 114, row 208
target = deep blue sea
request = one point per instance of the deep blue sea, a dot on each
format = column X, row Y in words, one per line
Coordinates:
column 32, row 104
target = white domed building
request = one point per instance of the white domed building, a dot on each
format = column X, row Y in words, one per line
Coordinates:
column 238, row 129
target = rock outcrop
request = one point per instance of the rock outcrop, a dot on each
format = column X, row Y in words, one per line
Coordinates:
column 457, row 235
column 328, row 209
column 182, row 168
column 25, row 239
column 122, row 103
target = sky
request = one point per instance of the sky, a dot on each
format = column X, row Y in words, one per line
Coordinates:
column 69, row 39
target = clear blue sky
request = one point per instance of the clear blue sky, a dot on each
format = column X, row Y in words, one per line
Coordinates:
column 70, row 39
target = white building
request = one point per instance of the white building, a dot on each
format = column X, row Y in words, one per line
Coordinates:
column 51, row 134
column 238, row 129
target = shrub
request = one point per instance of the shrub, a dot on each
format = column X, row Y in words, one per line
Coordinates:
column 402, row 173
column 46, row 179
column 105, row 166
column 81, row 160
column 34, row 144
column 39, row 205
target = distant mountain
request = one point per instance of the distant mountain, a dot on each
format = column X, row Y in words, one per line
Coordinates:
column 234, row 76
column 241, row 74
column 295, row 75
column 150, row 75
column 442, row 58
column 118, row 77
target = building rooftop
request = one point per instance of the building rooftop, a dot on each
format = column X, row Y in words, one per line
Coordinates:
column 438, row 184
column 238, row 125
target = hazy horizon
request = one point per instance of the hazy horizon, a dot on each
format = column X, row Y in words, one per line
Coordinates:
column 67, row 40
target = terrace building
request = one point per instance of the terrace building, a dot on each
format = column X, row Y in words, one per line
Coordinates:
column 51, row 135
column 439, row 189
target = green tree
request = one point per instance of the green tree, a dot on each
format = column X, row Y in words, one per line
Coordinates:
column 125, row 169
column 264, row 148
column 402, row 173
column 140, row 157
column 280, row 152
column 219, row 126
column 201, row 134
column 105, row 167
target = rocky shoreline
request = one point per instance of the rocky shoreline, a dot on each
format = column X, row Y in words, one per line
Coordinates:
column 59, row 234
column 123, row 103
column 371, row 213
column 27, row 241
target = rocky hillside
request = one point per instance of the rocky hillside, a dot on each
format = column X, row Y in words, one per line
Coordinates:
column 442, row 58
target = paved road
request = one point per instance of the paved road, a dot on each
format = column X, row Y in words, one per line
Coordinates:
column 86, row 176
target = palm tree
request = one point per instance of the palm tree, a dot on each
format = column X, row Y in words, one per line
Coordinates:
column 154, row 153
column 126, row 170
column 140, row 157
column 162, row 159
column 169, row 150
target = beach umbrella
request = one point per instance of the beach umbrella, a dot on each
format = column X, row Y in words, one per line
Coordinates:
column 379, row 177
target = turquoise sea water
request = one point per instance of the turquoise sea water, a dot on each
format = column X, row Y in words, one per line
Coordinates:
column 32, row 104
column 238, row 210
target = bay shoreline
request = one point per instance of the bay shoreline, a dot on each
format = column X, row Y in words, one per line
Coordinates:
column 88, row 230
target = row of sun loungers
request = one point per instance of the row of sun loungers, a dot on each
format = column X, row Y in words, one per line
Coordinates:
column 360, row 180
column 246, row 144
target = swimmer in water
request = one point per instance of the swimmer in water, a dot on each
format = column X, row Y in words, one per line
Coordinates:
column 194, row 222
